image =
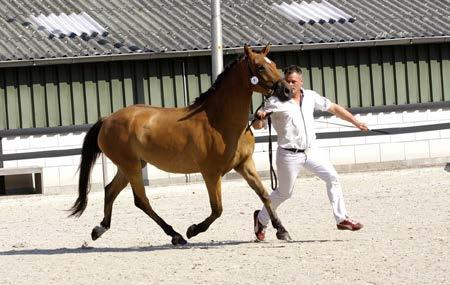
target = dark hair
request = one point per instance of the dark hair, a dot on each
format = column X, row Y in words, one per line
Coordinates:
column 292, row 69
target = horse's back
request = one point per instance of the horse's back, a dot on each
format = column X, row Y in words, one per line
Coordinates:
column 137, row 117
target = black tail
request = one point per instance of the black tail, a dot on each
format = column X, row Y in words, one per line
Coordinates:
column 89, row 154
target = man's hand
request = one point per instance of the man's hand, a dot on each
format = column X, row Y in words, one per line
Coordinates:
column 260, row 115
column 259, row 122
column 362, row 126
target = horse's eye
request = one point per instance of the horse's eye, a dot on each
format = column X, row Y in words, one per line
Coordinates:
column 260, row 68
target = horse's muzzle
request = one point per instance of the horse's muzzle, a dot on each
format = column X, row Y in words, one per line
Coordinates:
column 282, row 90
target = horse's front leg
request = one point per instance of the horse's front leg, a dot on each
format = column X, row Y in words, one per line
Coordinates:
column 248, row 170
column 213, row 184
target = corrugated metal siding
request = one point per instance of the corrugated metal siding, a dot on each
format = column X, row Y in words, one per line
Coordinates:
column 378, row 76
column 46, row 96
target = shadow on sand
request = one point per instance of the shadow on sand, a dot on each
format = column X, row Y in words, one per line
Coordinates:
column 150, row 248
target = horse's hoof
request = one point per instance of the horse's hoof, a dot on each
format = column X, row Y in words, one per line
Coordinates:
column 178, row 240
column 97, row 232
column 284, row 236
column 191, row 231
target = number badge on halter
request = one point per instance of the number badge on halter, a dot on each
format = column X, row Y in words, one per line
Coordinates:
column 254, row 80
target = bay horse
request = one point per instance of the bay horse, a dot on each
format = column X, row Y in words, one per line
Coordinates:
column 211, row 136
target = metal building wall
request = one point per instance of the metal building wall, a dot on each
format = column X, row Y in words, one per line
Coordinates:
column 376, row 76
column 61, row 95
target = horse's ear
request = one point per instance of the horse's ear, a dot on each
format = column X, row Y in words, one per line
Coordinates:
column 266, row 49
column 247, row 50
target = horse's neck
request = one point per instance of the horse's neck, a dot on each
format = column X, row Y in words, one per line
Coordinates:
column 230, row 105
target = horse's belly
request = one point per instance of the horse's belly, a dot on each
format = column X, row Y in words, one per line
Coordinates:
column 174, row 163
column 173, row 168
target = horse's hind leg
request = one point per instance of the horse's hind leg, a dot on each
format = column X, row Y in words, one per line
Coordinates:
column 213, row 184
column 111, row 191
column 248, row 170
column 141, row 201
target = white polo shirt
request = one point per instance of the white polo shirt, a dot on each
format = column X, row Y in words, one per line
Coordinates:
column 293, row 123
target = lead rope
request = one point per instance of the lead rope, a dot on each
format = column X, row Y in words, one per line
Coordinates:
column 273, row 176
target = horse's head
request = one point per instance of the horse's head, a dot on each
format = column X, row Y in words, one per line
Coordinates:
column 264, row 75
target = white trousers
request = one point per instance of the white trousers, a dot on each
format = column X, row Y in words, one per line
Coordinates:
column 288, row 167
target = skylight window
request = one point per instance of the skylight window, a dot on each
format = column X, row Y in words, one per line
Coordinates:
column 72, row 25
column 311, row 13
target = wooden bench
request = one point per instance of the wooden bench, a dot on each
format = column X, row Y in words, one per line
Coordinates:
column 35, row 171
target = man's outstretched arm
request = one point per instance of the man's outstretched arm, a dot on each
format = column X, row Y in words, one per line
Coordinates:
column 342, row 113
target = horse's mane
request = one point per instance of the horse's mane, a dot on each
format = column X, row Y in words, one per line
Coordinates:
column 200, row 99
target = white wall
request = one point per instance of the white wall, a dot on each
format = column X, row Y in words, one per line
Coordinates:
column 381, row 148
column 60, row 173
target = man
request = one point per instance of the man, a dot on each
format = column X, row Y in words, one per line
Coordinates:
column 294, row 122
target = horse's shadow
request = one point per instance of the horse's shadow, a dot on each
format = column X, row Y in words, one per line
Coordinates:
column 150, row 248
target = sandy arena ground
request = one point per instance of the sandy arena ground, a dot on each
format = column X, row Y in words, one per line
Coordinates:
column 405, row 240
